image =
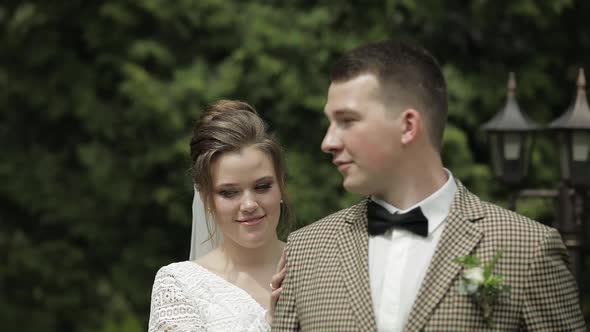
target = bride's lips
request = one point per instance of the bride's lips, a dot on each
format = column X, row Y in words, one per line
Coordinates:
column 251, row 221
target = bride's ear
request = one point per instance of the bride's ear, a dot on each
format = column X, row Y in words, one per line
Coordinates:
column 203, row 196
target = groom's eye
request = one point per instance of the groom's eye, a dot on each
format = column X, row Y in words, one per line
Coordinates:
column 345, row 122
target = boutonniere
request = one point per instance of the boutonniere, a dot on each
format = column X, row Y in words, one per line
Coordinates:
column 479, row 281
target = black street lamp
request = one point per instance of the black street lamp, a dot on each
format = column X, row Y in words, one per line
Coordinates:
column 510, row 133
column 573, row 129
column 511, row 138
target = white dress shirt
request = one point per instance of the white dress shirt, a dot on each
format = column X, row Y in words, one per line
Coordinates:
column 398, row 259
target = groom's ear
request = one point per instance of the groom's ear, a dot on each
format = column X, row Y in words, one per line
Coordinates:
column 411, row 125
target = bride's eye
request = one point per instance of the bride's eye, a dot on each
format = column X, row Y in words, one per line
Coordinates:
column 262, row 188
column 228, row 193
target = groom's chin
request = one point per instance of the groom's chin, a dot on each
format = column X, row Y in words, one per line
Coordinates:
column 355, row 187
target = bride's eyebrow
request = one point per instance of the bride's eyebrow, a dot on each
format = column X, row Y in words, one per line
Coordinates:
column 266, row 179
column 225, row 186
column 230, row 185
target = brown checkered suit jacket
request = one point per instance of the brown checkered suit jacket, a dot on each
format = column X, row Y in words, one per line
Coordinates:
column 327, row 283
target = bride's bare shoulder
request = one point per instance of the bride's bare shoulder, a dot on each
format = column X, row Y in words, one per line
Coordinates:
column 211, row 261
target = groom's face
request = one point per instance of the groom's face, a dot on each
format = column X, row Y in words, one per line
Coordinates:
column 363, row 136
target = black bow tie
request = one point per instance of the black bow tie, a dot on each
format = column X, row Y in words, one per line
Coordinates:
column 380, row 220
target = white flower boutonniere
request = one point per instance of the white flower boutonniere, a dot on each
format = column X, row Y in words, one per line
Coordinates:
column 479, row 281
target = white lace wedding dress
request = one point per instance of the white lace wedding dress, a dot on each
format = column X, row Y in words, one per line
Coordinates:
column 188, row 297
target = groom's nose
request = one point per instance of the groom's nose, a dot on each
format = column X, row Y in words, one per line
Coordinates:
column 331, row 142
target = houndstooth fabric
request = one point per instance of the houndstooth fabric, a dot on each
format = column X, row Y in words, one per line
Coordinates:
column 327, row 283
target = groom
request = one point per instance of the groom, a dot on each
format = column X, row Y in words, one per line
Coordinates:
column 387, row 263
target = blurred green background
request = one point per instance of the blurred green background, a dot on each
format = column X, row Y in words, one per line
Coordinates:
column 97, row 100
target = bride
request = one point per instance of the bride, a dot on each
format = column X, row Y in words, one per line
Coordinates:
column 238, row 170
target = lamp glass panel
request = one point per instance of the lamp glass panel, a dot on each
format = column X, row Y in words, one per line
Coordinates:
column 527, row 139
column 496, row 156
column 512, row 143
column 564, row 155
column 581, row 146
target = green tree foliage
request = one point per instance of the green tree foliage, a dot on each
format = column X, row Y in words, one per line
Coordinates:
column 97, row 99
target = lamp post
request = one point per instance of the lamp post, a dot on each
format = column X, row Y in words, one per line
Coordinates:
column 573, row 133
column 511, row 137
column 573, row 129
column 511, row 131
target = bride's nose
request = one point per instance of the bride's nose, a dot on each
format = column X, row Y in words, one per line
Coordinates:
column 248, row 204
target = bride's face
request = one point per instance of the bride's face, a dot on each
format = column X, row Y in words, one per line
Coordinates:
column 246, row 197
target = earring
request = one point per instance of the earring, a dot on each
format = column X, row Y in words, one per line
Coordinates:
column 281, row 201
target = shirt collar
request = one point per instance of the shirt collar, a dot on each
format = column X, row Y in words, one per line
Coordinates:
column 435, row 207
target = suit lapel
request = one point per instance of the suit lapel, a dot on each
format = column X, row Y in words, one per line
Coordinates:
column 353, row 242
column 459, row 238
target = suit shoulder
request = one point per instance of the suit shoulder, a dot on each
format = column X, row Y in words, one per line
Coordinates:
column 499, row 219
column 496, row 220
column 329, row 225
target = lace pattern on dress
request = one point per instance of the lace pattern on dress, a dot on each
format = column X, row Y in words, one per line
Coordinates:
column 188, row 297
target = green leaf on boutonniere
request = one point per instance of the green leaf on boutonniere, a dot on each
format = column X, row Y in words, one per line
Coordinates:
column 468, row 261
column 479, row 281
column 489, row 267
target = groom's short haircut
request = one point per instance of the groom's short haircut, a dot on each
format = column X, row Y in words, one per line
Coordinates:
column 409, row 76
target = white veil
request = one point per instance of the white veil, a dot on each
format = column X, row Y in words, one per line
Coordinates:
column 200, row 242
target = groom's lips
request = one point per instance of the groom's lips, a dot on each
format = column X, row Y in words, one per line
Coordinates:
column 342, row 165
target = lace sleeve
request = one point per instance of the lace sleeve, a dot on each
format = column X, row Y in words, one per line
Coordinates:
column 260, row 324
column 171, row 310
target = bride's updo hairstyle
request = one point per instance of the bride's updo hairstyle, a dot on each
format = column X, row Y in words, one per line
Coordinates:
column 230, row 126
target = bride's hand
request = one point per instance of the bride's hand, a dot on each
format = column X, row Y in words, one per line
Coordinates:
column 276, row 283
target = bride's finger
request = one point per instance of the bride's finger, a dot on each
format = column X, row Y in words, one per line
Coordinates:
column 275, row 294
column 277, row 280
column 282, row 261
